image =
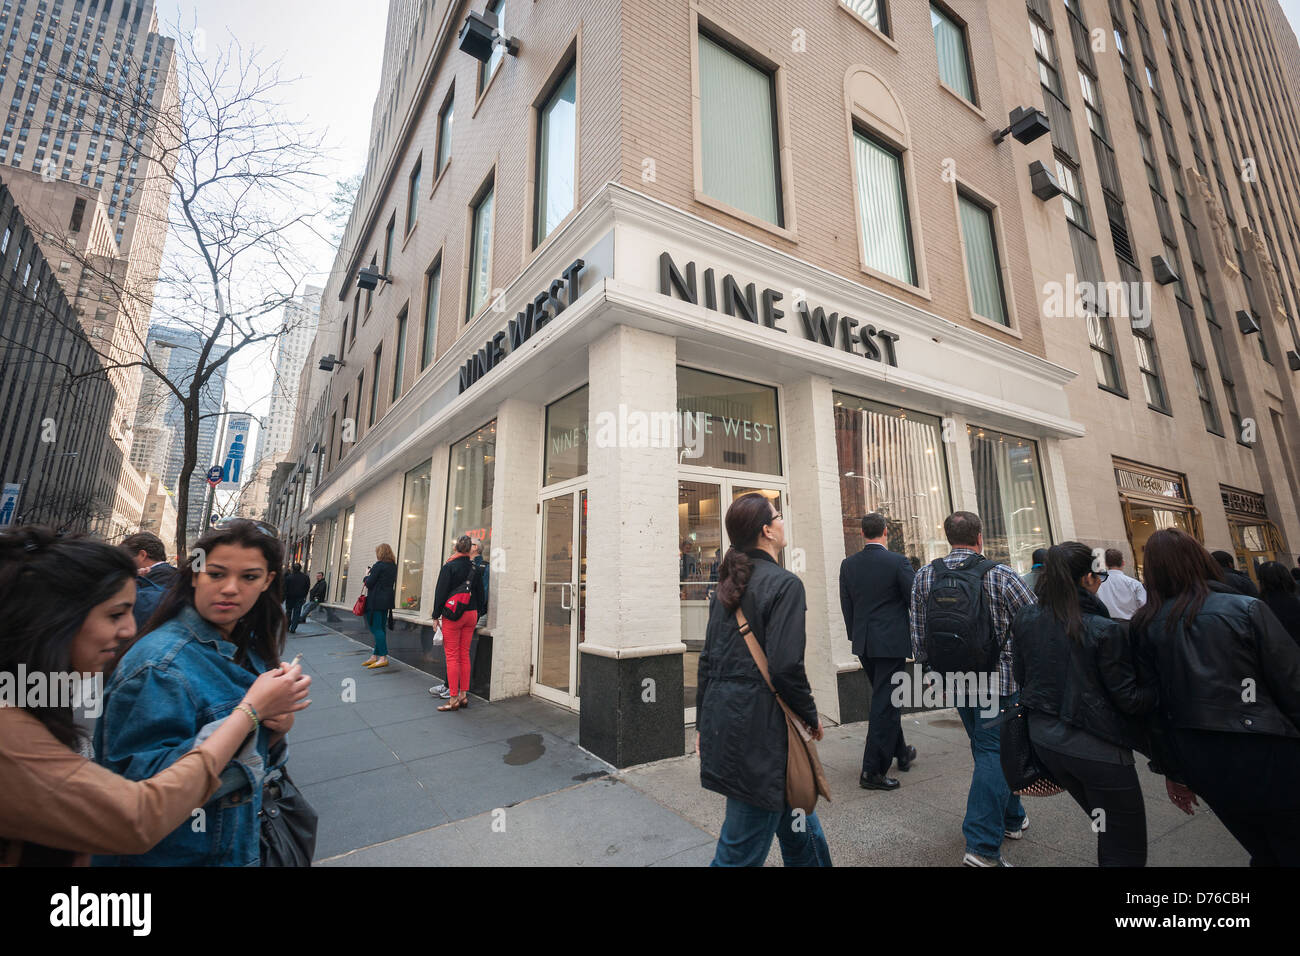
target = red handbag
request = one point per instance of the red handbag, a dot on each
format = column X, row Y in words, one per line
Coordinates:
column 360, row 607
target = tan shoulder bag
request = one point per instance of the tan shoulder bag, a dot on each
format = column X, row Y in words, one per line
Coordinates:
column 804, row 778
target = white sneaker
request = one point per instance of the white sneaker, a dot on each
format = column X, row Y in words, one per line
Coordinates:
column 441, row 690
column 975, row 859
column 1017, row 834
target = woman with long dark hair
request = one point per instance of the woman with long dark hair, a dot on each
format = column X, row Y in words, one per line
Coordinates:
column 742, row 730
column 458, row 572
column 220, row 626
column 381, row 597
column 1228, row 728
column 67, row 607
column 1083, row 699
column 1277, row 589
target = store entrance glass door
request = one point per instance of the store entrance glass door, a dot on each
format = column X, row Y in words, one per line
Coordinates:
column 562, row 597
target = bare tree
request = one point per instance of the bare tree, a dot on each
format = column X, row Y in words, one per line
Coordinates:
column 241, row 208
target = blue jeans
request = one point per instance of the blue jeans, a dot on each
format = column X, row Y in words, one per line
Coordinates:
column 991, row 807
column 377, row 621
column 747, row 835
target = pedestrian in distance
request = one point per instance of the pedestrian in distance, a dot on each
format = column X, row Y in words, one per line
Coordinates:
column 875, row 591
column 1278, row 590
column 381, row 596
column 458, row 601
column 963, row 606
column 743, row 734
column 1234, row 579
column 1036, row 566
column 154, row 576
column 1228, row 723
column 296, row 587
column 216, row 634
column 315, row 598
column 484, row 572
column 1121, row 594
column 68, row 604
column 1083, row 700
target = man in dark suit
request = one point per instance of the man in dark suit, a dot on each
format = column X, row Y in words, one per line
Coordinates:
column 875, row 591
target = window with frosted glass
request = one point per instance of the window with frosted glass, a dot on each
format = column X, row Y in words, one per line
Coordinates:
column 882, row 209
column 480, row 255
column 557, row 156
column 566, row 437
column 428, row 344
column 983, row 269
column 470, row 482
column 1009, row 496
column 444, row 134
column 950, row 46
column 873, row 11
column 738, row 132
column 722, row 422
column 892, row 460
column 415, row 521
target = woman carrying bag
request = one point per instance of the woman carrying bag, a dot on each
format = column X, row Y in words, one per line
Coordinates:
column 1083, row 700
column 744, row 736
column 380, row 597
column 457, row 601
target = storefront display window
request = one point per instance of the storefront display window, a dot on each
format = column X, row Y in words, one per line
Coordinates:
column 415, row 521
column 566, row 437
column 1153, row 500
column 727, row 423
column 1009, row 496
column 892, row 461
column 1255, row 539
column 469, row 488
column 345, row 555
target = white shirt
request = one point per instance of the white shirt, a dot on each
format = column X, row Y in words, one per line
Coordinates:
column 1121, row 594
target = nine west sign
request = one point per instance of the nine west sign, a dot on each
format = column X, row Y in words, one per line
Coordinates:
column 557, row 297
column 837, row 331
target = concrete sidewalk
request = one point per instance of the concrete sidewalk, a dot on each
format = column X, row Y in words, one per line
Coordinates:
column 396, row 783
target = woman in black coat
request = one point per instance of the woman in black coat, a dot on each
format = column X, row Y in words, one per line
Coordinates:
column 742, row 730
column 1277, row 590
column 381, row 596
column 1228, row 727
column 1082, row 699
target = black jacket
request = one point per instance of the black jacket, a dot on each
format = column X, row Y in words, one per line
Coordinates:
column 875, row 594
column 1091, row 684
column 454, row 573
column 1240, row 583
column 1203, row 668
column 742, row 728
column 318, row 591
column 296, row 586
column 381, row 585
column 1287, row 609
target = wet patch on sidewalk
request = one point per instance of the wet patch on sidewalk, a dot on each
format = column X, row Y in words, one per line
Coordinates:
column 524, row 749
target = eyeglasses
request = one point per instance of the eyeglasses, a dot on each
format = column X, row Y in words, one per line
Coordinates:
column 775, row 517
column 222, row 524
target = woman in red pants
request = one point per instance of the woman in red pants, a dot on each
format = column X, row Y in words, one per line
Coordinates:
column 458, row 582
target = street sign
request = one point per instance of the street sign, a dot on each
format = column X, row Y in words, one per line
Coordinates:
column 9, row 504
column 215, row 474
column 238, row 433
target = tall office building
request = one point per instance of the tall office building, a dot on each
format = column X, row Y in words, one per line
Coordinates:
column 1038, row 260
column 87, row 149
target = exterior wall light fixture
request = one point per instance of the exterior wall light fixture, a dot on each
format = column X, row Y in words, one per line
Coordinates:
column 1027, row 124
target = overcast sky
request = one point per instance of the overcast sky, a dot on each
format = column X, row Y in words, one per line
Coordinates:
column 336, row 47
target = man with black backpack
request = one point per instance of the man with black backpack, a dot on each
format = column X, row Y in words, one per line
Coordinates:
column 962, row 609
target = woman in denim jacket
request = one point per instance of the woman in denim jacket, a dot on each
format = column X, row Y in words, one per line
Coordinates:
column 215, row 631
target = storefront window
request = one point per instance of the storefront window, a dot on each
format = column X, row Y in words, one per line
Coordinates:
column 566, row 437
column 327, row 562
column 892, row 461
column 345, row 555
column 1153, row 500
column 469, row 488
column 1009, row 496
column 727, row 423
column 415, row 520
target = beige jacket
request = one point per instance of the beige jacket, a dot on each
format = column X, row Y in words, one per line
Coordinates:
column 53, row 796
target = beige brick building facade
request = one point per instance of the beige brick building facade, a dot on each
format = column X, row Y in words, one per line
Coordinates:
column 788, row 230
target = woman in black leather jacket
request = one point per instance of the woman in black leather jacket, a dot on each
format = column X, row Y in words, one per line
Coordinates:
column 1228, row 725
column 742, row 730
column 1083, row 700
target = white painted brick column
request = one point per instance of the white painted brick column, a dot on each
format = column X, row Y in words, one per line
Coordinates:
column 815, row 534
column 632, row 557
column 514, row 544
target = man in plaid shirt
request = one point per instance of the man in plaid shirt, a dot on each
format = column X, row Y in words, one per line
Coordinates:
column 993, row 812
